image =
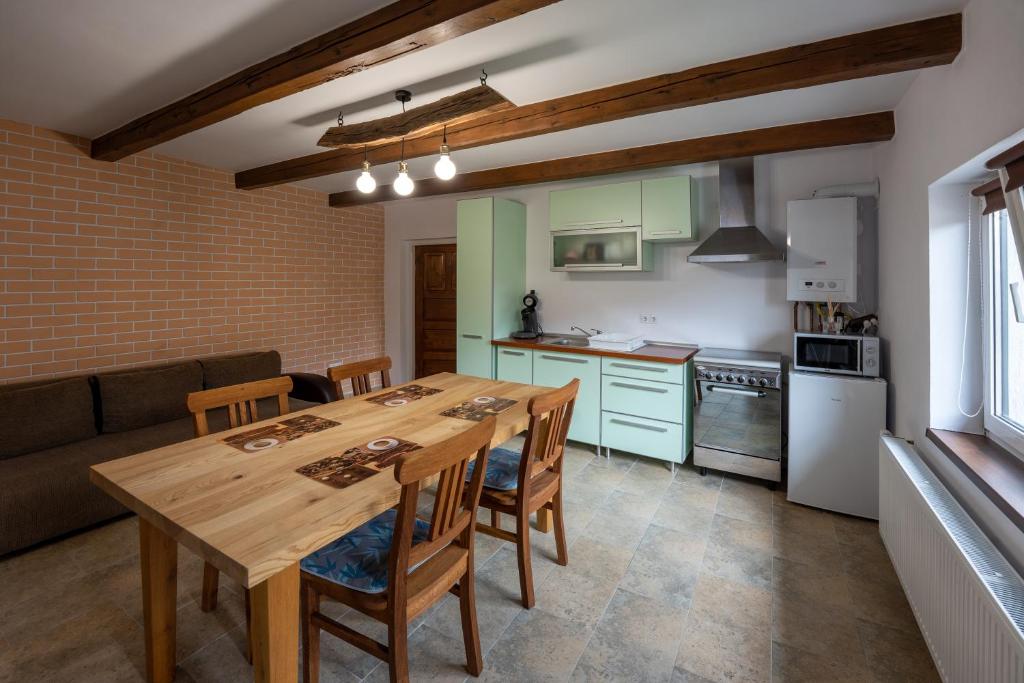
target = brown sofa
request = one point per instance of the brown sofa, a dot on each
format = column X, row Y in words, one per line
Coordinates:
column 52, row 431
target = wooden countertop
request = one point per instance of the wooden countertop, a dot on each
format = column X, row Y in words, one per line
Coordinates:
column 650, row 352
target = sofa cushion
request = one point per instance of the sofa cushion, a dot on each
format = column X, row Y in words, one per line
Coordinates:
column 37, row 416
column 223, row 371
column 147, row 396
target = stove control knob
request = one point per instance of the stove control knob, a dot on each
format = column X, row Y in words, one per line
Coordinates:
column 764, row 381
column 751, row 380
column 730, row 378
column 742, row 379
column 719, row 377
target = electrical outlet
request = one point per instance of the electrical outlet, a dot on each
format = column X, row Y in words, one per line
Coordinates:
column 648, row 318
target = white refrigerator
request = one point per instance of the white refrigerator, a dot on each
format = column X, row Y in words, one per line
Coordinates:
column 834, row 425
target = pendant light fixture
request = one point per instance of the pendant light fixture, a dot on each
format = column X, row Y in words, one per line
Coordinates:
column 365, row 183
column 445, row 167
column 403, row 183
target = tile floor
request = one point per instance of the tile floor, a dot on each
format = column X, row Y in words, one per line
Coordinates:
column 683, row 579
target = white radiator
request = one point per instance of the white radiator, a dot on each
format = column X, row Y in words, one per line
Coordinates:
column 968, row 600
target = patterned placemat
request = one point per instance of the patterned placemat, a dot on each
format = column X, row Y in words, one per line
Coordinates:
column 357, row 463
column 403, row 395
column 478, row 408
column 262, row 438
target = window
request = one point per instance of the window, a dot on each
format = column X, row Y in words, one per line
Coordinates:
column 1004, row 410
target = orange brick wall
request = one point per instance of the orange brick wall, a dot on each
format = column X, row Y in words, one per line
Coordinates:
column 152, row 258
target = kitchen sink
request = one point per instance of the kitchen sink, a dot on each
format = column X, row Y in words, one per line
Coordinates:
column 567, row 342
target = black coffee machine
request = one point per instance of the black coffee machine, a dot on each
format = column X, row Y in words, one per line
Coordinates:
column 531, row 328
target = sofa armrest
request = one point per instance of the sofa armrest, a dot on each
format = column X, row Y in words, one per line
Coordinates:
column 308, row 386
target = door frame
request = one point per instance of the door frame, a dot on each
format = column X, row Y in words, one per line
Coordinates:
column 416, row 300
column 407, row 342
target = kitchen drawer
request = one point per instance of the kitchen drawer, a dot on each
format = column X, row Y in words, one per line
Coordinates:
column 642, row 369
column 515, row 365
column 556, row 369
column 653, row 438
column 655, row 400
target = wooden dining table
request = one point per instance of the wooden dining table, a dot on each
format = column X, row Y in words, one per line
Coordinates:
column 244, row 507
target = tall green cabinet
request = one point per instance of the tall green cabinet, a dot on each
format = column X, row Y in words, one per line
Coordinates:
column 491, row 279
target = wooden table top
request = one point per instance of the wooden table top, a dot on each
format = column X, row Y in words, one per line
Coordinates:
column 656, row 353
column 251, row 514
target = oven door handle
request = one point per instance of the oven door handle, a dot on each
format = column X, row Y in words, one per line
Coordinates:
column 739, row 392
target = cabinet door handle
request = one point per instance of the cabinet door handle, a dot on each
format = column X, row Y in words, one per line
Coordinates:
column 472, row 336
column 645, row 368
column 639, row 388
column 665, row 232
column 593, row 265
column 513, row 353
column 610, row 220
column 627, row 423
column 564, row 360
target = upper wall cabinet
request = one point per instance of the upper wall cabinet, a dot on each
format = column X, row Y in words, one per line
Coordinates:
column 604, row 206
column 668, row 209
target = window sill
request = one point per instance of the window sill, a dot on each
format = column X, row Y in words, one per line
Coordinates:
column 994, row 470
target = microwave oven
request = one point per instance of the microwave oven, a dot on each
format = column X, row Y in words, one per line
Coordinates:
column 840, row 354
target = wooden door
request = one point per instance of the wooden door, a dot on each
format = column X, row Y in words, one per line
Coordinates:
column 435, row 309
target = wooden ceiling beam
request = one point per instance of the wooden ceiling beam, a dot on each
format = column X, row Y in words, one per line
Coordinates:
column 882, row 51
column 851, row 130
column 395, row 30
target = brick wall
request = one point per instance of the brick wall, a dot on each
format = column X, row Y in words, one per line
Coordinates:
column 152, row 258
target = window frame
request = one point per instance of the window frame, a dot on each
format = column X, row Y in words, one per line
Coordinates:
column 996, row 428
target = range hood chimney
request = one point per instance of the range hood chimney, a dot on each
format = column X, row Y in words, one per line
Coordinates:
column 736, row 240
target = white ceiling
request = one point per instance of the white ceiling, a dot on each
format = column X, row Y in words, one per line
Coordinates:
column 86, row 67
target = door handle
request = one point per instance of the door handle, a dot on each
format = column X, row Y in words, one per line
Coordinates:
column 665, row 232
column 593, row 265
column 605, row 222
column 564, row 360
column 513, row 353
column 472, row 336
column 639, row 388
column 738, row 392
column 627, row 423
column 628, row 366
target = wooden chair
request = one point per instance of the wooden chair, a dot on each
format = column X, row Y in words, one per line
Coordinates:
column 521, row 484
column 240, row 402
column 359, row 372
column 423, row 562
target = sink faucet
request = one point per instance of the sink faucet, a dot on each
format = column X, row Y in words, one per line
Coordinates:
column 586, row 334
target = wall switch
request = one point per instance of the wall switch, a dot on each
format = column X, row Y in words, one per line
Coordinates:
column 648, row 318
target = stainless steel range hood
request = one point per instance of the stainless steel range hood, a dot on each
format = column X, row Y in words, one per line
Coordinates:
column 737, row 240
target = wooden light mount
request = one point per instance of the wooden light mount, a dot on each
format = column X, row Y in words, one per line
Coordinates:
column 458, row 108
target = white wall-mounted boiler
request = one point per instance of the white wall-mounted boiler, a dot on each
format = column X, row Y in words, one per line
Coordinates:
column 832, row 250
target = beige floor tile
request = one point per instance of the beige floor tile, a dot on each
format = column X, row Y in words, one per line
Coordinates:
column 732, row 603
column 665, row 566
column 538, row 646
column 626, row 532
column 804, row 521
column 689, row 475
column 716, row 652
column 790, row 665
column 575, row 596
column 647, row 477
column 433, row 656
column 799, row 546
column 815, row 627
column 882, row 602
column 896, row 656
column 745, row 500
column 601, row 558
column 684, row 517
column 633, row 505
column 636, row 640
column 825, row 584
column 691, row 497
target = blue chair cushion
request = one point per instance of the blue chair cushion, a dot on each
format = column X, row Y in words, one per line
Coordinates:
column 502, row 469
column 359, row 559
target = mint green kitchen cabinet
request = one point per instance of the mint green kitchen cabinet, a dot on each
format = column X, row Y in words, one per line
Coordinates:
column 556, row 369
column 643, row 436
column 515, row 365
column 667, row 207
column 490, row 266
column 603, row 206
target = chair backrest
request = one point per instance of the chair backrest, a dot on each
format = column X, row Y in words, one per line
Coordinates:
column 240, row 401
column 359, row 372
column 550, row 415
column 455, row 501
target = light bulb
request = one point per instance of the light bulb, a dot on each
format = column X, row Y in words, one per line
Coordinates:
column 365, row 182
column 445, row 167
column 403, row 183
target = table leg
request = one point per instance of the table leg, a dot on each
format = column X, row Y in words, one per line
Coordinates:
column 275, row 627
column 159, row 560
column 544, row 520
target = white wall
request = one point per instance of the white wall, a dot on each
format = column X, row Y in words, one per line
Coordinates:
column 949, row 115
column 732, row 305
